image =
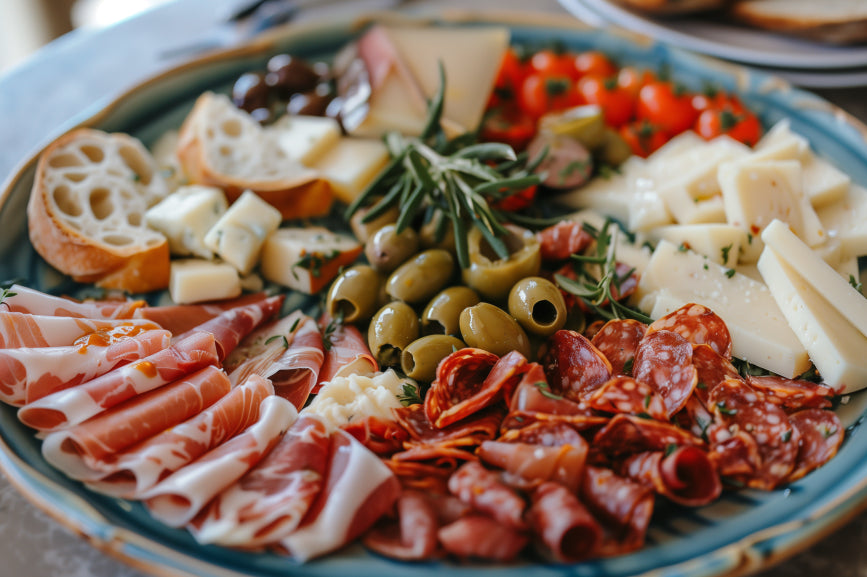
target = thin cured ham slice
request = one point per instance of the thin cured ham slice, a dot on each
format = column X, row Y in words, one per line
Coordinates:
column 479, row 537
column 414, row 536
column 359, row 489
column 181, row 318
column 288, row 351
column 178, row 498
column 537, row 463
column 346, row 352
column 135, row 470
column 31, row 301
column 269, row 502
column 26, row 330
column 81, row 451
column 687, row 476
column 72, row 406
column 231, row 326
column 483, row 491
column 28, row 374
column 566, row 528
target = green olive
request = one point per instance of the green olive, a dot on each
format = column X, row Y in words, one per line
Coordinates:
column 421, row 277
column 365, row 230
column 387, row 249
column 613, row 150
column 537, row 305
column 354, row 294
column 586, row 124
column 491, row 276
column 442, row 314
column 487, row 327
column 435, row 235
column 391, row 329
column 420, row 359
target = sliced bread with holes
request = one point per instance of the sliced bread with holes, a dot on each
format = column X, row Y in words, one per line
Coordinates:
column 86, row 211
column 834, row 21
column 223, row 146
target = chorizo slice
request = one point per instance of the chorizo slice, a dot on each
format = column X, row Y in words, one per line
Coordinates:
column 564, row 525
column 482, row 489
column 698, row 325
column 821, row 435
column 686, row 476
column 712, row 369
column 626, row 395
column 664, row 361
column 628, row 434
column 618, row 340
column 793, row 394
column 562, row 240
column 623, row 506
column 574, row 366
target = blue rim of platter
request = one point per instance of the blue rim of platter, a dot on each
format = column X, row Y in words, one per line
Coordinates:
column 743, row 532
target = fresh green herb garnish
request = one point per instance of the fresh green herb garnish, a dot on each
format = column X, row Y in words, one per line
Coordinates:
column 6, row 293
column 410, row 395
column 334, row 325
column 275, row 337
column 627, row 366
column 730, row 272
column 725, row 410
column 786, row 436
column 670, row 448
column 854, row 283
column 546, row 391
column 725, row 253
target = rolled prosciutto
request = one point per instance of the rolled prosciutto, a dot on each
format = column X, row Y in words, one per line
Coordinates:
column 563, row 464
column 346, row 353
column 483, row 491
column 479, row 537
column 26, row 330
column 413, row 537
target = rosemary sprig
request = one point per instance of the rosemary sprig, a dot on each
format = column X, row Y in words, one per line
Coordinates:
column 448, row 180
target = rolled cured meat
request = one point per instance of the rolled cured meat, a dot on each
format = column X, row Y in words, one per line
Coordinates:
column 565, row 527
column 414, row 536
column 26, row 330
column 178, row 498
column 563, row 464
column 75, row 405
column 28, row 374
column 480, row 537
column 483, row 491
column 181, row 318
column 34, row 302
column 140, row 467
column 79, row 451
column 269, row 502
column 623, row 506
column 346, row 352
column 687, row 476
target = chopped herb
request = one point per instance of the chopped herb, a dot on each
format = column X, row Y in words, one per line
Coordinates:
column 728, row 120
column 724, row 409
column 647, row 399
column 627, row 366
column 546, row 390
column 572, row 167
column 854, row 283
column 703, row 425
column 749, row 238
column 647, row 244
column 704, row 266
column 556, row 86
column 725, row 252
column 683, row 247
column 6, row 293
column 275, row 337
column 827, row 432
column 701, row 385
column 786, row 436
column 607, row 171
column 136, row 177
column 410, row 395
column 730, row 272
column 670, row 448
column 313, row 261
column 295, row 325
column 331, row 328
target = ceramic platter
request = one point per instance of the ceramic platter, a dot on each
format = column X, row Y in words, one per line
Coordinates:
column 742, row 532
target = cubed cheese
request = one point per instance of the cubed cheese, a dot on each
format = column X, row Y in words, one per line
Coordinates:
column 689, row 210
column 760, row 332
column 835, row 345
column 719, row 242
column 237, row 237
column 695, row 169
column 817, row 273
column 196, row 280
column 186, row 216
column 351, row 164
column 306, row 138
column 846, row 220
column 824, row 183
column 306, row 259
column 780, row 143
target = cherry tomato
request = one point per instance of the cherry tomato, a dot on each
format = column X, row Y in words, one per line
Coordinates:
column 517, row 201
column 667, row 107
column 643, row 137
column 553, row 63
column 541, row 94
column 632, row 80
column 741, row 125
column 617, row 104
column 509, row 79
column 510, row 125
column 593, row 62
column 716, row 99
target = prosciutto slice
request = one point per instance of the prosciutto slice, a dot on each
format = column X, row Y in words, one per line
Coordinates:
column 346, row 353
column 359, row 489
column 137, row 469
column 178, row 498
column 234, row 324
column 31, row 301
column 26, row 330
column 27, row 374
column 182, row 318
column 269, row 502
column 81, row 451
column 75, row 405
column 289, row 352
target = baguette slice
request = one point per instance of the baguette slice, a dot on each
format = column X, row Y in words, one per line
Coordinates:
column 86, row 211
column 835, row 21
column 223, row 146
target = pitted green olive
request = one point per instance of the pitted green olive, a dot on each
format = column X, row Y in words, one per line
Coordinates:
column 354, row 294
column 614, row 150
column 387, row 249
column 421, row 277
column 429, row 238
column 537, row 305
column 365, row 230
column 442, row 314
column 492, row 276
column 487, row 327
column 392, row 328
column 585, row 124
column 420, row 359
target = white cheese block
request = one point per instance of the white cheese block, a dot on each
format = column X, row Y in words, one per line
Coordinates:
column 647, row 211
column 683, row 142
column 721, row 243
column 818, row 274
column 824, row 183
column 305, row 259
column 689, row 210
column 849, row 270
column 196, row 280
column 780, row 143
column 185, row 217
column 237, row 237
column 351, row 164
column 846, row 220
column 760, row 333
column 633, row 255
column 305, row 138
column 695, row 169
column 835, row 345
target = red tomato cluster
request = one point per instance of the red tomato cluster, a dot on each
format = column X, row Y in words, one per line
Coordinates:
column 645, row 109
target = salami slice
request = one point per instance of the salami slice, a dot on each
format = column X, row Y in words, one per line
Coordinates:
column 483, row 491
column 626, row 395
column 664, row 361
column 737, row 457
column 469, row 380
column 712, row 369
column 686, row 476
column 31, row 301
column 792, row 394
column 568, row 530
column 469, row 432
column 821, row 435
column 695, row 417
column 562, row 240
column 414, row 536
column 534, row 395
column 563, row 464
column 618, row 340
column 622, row 505
column 581, row 422
column 545, row 434
column 698, row 325
column 574, row 366
column 628, row 434
column 479, row 537
column 737, row 407
column 382, row 437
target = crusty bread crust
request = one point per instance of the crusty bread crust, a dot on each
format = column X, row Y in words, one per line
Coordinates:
column 81, row 251
column 297, row 192
column 822, row 25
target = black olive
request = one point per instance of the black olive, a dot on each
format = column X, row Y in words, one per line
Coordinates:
column 288, row 75
column 250, row 92
column 311, row 103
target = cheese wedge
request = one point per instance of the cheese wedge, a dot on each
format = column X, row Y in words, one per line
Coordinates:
column 196, row 280
column 306, row 259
